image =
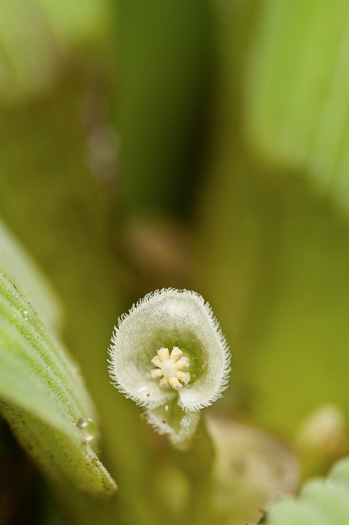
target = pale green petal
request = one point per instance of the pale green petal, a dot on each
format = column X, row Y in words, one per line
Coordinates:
column 178, row 424
column 170, row 318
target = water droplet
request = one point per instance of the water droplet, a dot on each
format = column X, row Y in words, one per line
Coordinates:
column 167, row 408
column 25, row 315
column 87, row 427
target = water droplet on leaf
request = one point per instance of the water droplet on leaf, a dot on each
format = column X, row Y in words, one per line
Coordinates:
column 87, row 427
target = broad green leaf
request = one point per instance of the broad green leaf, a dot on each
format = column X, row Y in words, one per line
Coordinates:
column 18, row 265
column 297, row 102
column 274, row 262
column 43, row 398
column 320, row 501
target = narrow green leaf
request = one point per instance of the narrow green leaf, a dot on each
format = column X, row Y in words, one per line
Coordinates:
column 43, row 398
column 17, row 264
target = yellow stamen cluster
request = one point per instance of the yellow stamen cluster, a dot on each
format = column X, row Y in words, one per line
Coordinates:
column 169, row 368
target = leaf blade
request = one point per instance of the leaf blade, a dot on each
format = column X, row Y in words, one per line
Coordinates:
column 43, row 397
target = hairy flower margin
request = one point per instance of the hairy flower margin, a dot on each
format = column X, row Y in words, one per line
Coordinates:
column 169, row 355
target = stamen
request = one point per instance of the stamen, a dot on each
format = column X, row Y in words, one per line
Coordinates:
column 183, row 376
column 163, row 353
column 156, row 373
column 175, row 383
column 183, row 363
column 176, row 352
column 156, row 361
column 169, row 368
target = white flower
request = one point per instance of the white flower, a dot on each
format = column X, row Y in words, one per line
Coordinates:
column 169, row 351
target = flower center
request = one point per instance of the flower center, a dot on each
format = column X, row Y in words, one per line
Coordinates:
column 169, row 368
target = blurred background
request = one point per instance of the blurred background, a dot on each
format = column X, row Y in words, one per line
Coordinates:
column 200, row 144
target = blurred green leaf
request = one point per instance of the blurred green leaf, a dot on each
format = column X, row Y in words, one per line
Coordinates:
column 64, row 212
column 164, row 55
column 320, row 502
column 74, row 23
column 18, row 265
column 43, row 398
column 251, row 469
column 35, row 35
column 297, row 100
column 274, row 265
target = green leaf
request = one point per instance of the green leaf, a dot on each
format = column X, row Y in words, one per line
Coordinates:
column 36, row 34
column 43, row 398
column 15, row 262
column 165, row 48
column 320, row 502
column 298, row 90
column 274, row 262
